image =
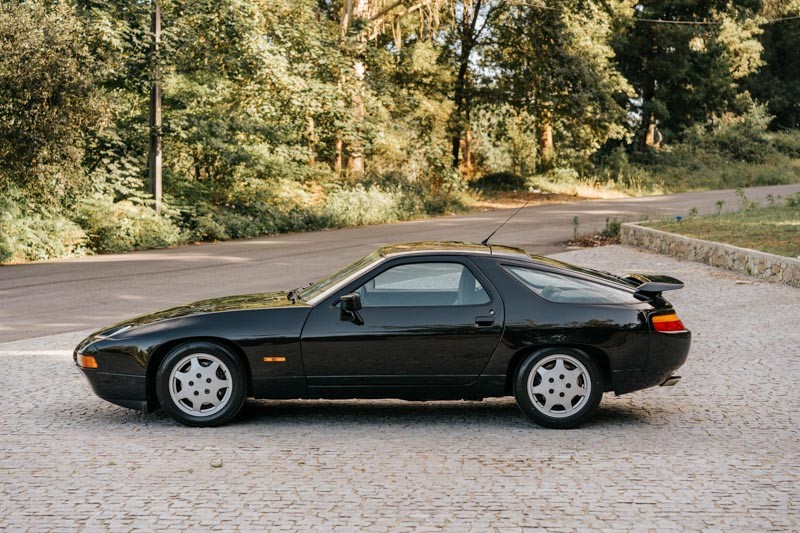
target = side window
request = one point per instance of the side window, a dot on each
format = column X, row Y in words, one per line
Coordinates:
column 565, row 289
column 423, row 284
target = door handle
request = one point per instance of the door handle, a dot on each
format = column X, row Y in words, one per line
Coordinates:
column 483, row 321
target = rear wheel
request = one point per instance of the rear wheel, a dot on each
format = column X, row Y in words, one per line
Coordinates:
column 558, row 388
column 201, row 384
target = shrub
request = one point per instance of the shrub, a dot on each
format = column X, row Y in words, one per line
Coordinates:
column 787, row 143
column 612, row 229
column 741, row 138
column 359, row 205
column 35, row 235
column 114, row 227
column 499, row 181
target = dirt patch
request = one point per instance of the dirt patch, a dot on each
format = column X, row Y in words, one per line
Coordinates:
column 510, row 200
column 592, row 241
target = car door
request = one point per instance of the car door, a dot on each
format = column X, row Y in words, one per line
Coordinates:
column 426, row 321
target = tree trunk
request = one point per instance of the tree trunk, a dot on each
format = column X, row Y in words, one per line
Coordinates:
column 355, row 160
column 648, row 118
column 547, row 154
column 649, row 140
column 458, row 100
column 468, row 153
column 468, row 170
column 353, row 10
column 467, row 34
column 337, row 162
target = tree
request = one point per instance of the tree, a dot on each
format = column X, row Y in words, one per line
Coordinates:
column 777, row 82
column 48, row 99
column 556, row 64
column 687, row 69
column 361, row 22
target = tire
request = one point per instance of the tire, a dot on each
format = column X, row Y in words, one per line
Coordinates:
column 558, row 404
column 213, row 398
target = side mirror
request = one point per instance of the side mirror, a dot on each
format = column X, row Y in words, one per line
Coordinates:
column 351, row 302
column 349, row 307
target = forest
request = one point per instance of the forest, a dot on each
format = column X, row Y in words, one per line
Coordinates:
column 292, row 115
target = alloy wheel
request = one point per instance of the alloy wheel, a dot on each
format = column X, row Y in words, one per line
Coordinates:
column 559, row 386
column 200, row 384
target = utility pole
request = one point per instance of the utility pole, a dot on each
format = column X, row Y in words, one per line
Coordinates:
column 154, row 158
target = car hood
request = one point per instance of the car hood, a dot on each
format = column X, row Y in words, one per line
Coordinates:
column 240, row 302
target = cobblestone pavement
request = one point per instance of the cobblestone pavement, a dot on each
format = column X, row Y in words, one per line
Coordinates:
column 721, row 450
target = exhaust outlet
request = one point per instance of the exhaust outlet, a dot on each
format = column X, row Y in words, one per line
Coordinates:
column 670, row 381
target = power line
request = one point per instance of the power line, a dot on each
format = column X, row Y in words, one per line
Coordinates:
column 708, row 22
column 523, row 3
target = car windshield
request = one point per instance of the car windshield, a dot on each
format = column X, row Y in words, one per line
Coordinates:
column 315, row 289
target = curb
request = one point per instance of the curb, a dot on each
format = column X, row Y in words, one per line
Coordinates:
column 769, row 267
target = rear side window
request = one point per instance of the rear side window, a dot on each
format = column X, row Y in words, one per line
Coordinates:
column 565, row 289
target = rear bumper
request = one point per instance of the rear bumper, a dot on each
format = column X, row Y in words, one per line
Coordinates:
column 668, row 352
column 120, row 389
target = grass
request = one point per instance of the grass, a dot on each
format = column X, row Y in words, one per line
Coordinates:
column 771, row 229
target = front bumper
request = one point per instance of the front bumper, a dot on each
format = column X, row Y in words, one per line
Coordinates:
column 668, row 352
column 120, row 389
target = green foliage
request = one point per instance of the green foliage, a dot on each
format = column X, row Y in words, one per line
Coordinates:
column 265, row 111
column 48, row 99
column 794, row 200
column 612, row 228
column 687, row 74
column 360, row 205
column 113, row 227
column 556, row 65
column 29, row 233
column 777, row 82
column 745, row 203
column 741, row 138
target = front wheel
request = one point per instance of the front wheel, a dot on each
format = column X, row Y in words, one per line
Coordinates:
column 201, row 384
column 558, row 388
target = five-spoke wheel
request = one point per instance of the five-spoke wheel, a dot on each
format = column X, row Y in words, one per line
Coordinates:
column 201, row 384
column 558, row 388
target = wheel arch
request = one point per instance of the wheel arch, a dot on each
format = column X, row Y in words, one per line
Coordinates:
column 598, row 355
column 161, row 351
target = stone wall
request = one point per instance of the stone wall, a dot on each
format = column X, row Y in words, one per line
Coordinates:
column 766, row 266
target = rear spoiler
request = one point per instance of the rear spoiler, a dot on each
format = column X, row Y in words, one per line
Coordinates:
column 653, row 284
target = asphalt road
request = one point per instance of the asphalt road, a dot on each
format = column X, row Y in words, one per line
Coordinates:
column 75, row 294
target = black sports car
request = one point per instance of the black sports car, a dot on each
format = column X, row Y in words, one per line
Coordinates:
column 420, row 321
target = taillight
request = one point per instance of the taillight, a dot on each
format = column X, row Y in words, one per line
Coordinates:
column 669, row 323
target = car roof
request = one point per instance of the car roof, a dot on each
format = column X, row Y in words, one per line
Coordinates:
column 453, row 248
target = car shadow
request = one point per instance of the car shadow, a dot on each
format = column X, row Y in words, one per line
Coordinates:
column 496, row 413
column 501, row 413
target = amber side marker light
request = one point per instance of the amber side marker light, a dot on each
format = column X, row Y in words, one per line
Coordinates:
column 87, row 361
column 274, row 359
column 669, row 323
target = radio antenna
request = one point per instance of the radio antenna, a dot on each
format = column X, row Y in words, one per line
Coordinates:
column 486, row 240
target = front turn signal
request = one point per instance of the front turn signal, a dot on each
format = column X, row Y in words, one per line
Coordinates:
column 669, row 323
column 87, row 361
